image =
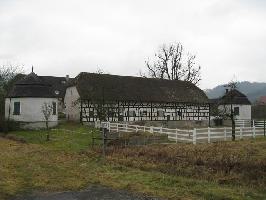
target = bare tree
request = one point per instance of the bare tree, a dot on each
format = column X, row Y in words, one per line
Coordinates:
column 8, row 72
column 8, row 76
column 171, row 63
column 47, row 110
column 232, row 85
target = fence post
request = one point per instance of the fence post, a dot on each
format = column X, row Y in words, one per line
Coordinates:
column 241, row 133
column 144, row 129
column 264, row 128
column 225, row 134
column 151, row 129
column 253, row 123
column 117, row 128
column 136, row 129
column 176, row 135
column 109, row 126
column 161, row 130
column 254, row 131
column 209, row 135
column 126, row 127
column 194, row 139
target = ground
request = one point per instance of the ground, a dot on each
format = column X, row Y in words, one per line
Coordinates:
column 31, row 165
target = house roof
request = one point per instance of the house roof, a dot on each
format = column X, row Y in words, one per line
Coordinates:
column 234, row 97
column 33, row 85
column 97, row 87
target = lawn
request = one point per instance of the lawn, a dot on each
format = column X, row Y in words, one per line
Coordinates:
column 67, row 162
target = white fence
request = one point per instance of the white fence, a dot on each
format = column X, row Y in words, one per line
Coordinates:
column 244, row 123
column 196, row 135
column 250, row 123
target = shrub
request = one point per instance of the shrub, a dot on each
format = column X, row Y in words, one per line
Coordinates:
column 6, row 126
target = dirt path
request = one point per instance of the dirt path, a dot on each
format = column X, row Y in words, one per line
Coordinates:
column 91, row 193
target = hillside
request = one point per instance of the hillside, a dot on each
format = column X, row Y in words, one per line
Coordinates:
column 253, row 90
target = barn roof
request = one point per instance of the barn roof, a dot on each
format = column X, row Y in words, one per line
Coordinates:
column 33, row 85
column 97, row 87
column 234, row 97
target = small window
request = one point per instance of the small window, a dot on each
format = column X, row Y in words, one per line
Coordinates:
column 16, row 108
column 179, row 113
column 131, row 113
column 54, row 108
column 143, row 113
column 91, row 113
column 160, row 113
column 236, row 110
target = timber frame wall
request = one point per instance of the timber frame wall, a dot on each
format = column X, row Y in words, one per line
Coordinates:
column 143, row 111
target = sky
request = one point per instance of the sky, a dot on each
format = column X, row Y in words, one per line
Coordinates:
column 60, row 37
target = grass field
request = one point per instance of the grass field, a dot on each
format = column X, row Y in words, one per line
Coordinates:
column 67, row 162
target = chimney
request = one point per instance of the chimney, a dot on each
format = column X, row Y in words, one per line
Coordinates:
column 67, row 78
column 226, row 91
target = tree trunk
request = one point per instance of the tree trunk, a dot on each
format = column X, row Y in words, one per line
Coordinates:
column 47, row 131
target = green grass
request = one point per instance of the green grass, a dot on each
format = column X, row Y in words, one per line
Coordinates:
column 68, row 163
column 67, row 136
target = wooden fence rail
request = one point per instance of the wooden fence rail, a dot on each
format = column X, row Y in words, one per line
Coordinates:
column 196, row 135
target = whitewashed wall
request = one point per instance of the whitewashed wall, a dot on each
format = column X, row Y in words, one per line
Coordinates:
column 244, row 111
column 30, row 109
column 72, row 105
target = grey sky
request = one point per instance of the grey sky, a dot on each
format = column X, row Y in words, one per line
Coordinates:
column 62, row 37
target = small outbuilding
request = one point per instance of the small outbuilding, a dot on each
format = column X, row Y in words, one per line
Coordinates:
column 241, row 106
column 25, row 100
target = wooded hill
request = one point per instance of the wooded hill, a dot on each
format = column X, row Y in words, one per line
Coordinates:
column 253, row 90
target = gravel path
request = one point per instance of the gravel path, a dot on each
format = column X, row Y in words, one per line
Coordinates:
column 91, row 193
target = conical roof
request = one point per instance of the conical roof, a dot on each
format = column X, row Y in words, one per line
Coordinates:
column 32, row 86
column 235, row 97
column 31, row 79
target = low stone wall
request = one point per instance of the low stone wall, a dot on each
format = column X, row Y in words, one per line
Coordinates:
column 37, row 125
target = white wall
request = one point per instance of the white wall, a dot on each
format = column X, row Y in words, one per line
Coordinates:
column 72, row 104
column 30, row 109
column 244, row 111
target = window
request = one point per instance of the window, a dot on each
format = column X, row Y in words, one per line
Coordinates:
column 16, row 108
column 160, row 113
column 54, row 108
column 143, row 113
column 236, row 110
column 91, row 113
column 131, row 113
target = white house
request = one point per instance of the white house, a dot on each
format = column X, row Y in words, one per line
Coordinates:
column 92, row 97
column 24, row 101
column 241, row 106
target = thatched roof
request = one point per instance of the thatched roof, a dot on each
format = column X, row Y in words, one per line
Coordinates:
column 97, row 87
column 234, row 97
column 33, row 85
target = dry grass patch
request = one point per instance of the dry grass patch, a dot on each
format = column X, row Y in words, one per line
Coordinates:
column 242, row 162
column 68, row 163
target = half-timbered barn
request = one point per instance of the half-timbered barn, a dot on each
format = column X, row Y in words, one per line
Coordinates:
column 92, row 97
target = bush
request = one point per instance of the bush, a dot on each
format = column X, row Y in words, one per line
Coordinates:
column 6, row 126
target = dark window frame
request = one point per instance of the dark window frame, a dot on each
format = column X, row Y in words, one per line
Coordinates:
column 236, row 111
column 17, row 108
column 54, row 108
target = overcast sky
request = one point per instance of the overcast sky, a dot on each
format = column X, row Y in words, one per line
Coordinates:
column 60, row 37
